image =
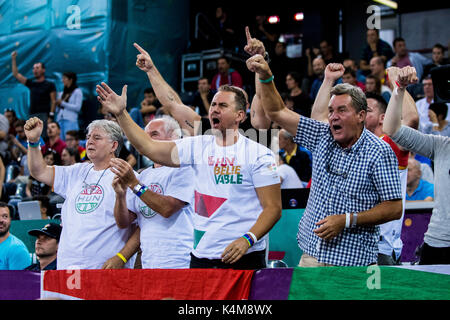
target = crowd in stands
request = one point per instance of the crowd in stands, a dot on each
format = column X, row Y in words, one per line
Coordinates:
column 298, row 81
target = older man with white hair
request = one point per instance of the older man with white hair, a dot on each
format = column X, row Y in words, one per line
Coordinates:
column 161, row 204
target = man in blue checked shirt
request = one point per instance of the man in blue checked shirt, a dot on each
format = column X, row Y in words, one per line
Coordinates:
column 355, row 180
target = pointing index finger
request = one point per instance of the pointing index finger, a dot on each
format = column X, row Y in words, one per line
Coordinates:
column 247, row 33
column 139, row 48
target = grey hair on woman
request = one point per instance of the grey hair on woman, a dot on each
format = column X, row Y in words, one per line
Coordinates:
column 112, row 129
column 359, row 101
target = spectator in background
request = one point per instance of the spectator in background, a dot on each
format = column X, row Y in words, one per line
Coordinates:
column 281, row 65
column 328, row 54
column 44, row 205
column 288, row 176
column 424, row 103
column 373, row 85
column 404, row 58
column 266, row 32
column 318, row 69
column 350, row 63
column 10, row 114
column 438, row 59
column 14, row 254
column 437, row 113
column 54, row 139
column 148, row 108
column 203, row 97
column 302, row 102
column 70, row 156
column 46, row 246
column 68, row 104
column 4, row 129
column 378, row 70
column 416, row 188
column 349, row 77
column 375, row 48
column 226, row 75
column 73, row 141
column 42, row 92
column 427, row 172
column 298, row 158
column 35, row 187
column 226, row 28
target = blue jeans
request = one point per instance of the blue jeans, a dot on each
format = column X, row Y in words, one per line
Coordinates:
column 67, row 125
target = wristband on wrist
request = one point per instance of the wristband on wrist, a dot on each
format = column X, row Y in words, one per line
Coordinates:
column 249, row 239
column 267, row 80
column 121, row 257
column 355, row 217
column 139, row 189
column 51, row 114
column 33, row 144
column 347, row 220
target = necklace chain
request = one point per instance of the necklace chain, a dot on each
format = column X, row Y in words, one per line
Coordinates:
column 88, row 186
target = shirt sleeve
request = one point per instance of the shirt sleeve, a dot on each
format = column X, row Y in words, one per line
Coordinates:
column 19, row 258
column 62, row 178
column 181, row 184
column 310, row 132
column 265, row 171
column 186, row 150
column 416, row 141
column 75, row 101
column 386, row 176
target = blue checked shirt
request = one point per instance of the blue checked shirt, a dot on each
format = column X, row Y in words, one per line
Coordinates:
column 345, row 180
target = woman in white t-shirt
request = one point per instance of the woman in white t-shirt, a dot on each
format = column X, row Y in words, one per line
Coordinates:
column 90, row 235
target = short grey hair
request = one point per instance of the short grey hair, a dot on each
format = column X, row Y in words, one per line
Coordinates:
column 112, row 129
column 359, row 101
column 171, row 126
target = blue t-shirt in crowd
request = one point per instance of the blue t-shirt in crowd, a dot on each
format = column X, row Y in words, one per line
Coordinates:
column 14, row 254
column 424, row 189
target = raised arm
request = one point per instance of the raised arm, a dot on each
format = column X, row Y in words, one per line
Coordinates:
column 162, row 152
column 319, row 112
column 22, row 79
column 187, row 118
column 271, row 100
column 38, row 168
column 410, row 115
column 393, row 118
column 257, row 115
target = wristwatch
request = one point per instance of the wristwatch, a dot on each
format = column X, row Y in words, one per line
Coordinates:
column 137, row 188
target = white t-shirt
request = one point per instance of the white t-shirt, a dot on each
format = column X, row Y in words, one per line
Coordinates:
column 166, row 242
column 289, row 178
column 89, row 235
column 226, row 203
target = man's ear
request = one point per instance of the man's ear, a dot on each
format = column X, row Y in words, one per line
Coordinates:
column 241, row 116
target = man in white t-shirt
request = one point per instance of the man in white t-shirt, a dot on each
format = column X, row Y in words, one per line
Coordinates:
column 90, row 235
column 237, row 187
column 161, row 203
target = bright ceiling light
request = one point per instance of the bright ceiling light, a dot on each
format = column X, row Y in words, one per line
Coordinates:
column 273, row 19
column 299, row 16
column 388, row 3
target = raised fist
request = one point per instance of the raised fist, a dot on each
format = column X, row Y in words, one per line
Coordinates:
column 33, row 129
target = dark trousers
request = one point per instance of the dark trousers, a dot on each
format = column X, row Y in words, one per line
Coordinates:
column 251, row 261
column 433, row 255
